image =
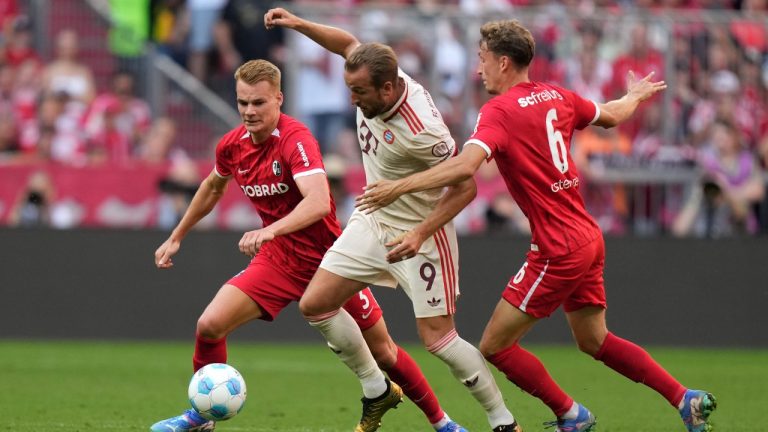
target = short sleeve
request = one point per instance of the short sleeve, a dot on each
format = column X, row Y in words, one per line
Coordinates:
column 302, row 152
column 490, row 132
column 585, row 111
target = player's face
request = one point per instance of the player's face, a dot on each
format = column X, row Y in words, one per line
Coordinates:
column 364, row 95
column 489, row 69
column 259, row 107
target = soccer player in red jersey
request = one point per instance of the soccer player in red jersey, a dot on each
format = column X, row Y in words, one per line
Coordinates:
column 277, row 164
column 527, row 128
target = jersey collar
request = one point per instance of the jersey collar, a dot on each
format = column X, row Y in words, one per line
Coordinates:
column 387, row 116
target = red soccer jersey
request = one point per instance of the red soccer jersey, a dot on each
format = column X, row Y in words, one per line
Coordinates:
column 266, row 173
column 528, row 131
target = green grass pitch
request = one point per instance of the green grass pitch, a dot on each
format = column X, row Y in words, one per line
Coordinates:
column 126, row 386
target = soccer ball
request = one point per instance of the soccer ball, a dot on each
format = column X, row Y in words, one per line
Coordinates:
column 217, row 391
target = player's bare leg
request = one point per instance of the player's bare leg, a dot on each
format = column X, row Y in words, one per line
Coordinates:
column 468, row 366
column 403, row 370
column 228, row 310
column 632, row 361
column 321, row 306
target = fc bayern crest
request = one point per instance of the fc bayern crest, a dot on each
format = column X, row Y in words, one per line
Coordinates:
column 276, row 168
column 389, row 137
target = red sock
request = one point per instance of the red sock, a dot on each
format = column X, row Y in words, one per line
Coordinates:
column 209, row 351
column 406, row 373
column 636, row 364
column 527, row 372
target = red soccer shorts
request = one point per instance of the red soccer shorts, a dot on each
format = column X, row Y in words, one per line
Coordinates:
column 273, row 289
column 574, row 281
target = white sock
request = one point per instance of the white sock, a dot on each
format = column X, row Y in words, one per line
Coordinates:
column 469, row 367
column 345, row 339
column 572, row 413
column 444, row 421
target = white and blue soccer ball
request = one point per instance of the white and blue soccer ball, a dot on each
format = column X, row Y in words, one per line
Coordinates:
column 217, row 391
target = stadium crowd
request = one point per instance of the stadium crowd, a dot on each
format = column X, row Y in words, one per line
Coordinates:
column 713, row 124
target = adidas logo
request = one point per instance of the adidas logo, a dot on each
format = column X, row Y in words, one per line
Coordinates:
column 335, row 351
column 471, row 382
column 434, row 302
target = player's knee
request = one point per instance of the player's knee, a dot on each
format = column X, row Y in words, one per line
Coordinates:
column 211, row 328
column 385, row 354
column 309, row 307
column 589, row 345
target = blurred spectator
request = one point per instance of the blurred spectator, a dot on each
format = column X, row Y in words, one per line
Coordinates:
column 322, row 98
column 19, row 44
column 585, row 72
column 722, row 205
column 66, row 73
column 55, row 134
column 170, row 24
column 9, row 9
column 158, row 146
column 117, row 120
column 203, row 15
column 128, row 36
column 642, row 59
column 336, row 170
column 26, row 91
column 9, row 137
column 33, row 206
column 176, row 191
column 242, row 23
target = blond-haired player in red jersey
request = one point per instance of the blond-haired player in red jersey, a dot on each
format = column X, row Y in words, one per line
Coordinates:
column 527, row 129
column 400, row 132
column 276, row 163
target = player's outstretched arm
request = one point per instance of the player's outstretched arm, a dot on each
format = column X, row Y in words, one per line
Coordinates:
column 451, row 172
column 333, row 39
column 617, row 111
column 208, row 194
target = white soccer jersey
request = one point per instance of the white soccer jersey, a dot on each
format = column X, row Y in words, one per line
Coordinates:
column 409, row 138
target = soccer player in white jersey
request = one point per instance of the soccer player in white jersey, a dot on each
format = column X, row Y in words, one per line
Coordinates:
column 400, row 132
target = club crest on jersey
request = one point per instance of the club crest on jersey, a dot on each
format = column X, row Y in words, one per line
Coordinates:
column 276, row 168
column 441, row 149
column 389, row 137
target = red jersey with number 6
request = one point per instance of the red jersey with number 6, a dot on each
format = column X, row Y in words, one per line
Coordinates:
column 266, row 173
column 528, row 131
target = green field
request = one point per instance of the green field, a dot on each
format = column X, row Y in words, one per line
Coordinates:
column 92, row 386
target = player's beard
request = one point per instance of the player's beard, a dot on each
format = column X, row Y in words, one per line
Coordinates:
column 372, row 110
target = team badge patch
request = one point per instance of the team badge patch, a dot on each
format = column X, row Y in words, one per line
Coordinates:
column 441, row 149
column 276, row 168
column 389, row 137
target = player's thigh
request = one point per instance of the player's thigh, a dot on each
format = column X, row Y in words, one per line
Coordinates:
column 229, row 309
column 327, row 292
column 359, row 253
column 588, row 328
column 431, row 278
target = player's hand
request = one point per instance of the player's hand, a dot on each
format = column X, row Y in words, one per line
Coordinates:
column 252, row 241
column 406, row 246
column 164, row 253
column 377, row 195
column 644, row 88
column 279, row 17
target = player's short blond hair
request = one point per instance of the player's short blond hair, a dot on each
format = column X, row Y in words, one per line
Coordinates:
column 509, row 38
column 255, row 71
column 380, row 59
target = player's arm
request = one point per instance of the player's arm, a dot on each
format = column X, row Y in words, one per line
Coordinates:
column 455, row 199
column 451, row 172
column 208, row 194
column 619, row 110
column 315, row 205
column 333, row 39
